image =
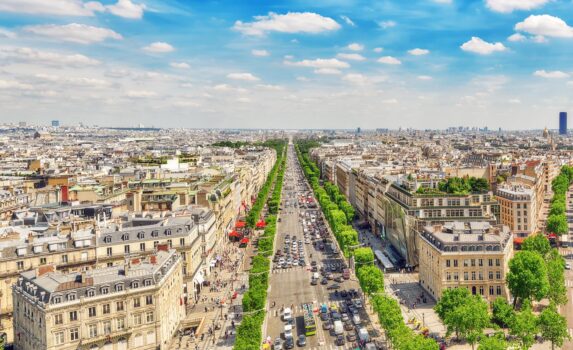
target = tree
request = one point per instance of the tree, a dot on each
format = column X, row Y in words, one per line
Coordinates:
column 502, row 312
column 524, row 327
column 537, row 243
column 469, row 319
column 553, row 326
column 451, row 299
column 527, row 276
column 371, row 279
column 557, row 291
column 363, row 256
column 496, row 342
column 557, row 224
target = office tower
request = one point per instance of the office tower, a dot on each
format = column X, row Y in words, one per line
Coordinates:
column 563, row 123
column 55, row 123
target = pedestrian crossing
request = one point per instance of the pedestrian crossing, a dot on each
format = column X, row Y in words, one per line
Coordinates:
column 298, row 310
column 346, row 346
column 290, row 269
column 569, row 283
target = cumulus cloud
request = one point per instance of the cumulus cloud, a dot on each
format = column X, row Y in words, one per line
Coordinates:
column 378, row 49
column 356, row 78
column 517, row 37
column 351, row 56
column 545, row 25
column 389, row 60
column 242, row 76
column 424, row 77
column 180, row 65
column 5, row 33
column 556, row 74
column 506, row 6
column 418, row 52
column 481, row 47
column 51, row 7
column 159, row 47
column 127, row 9
column 260, row 53
column 348, row 21
column 292, row 22
column 328, row 71
column 387, row 24
column 319, row 63
column 14, row 85
column 140, row 94
column 26, row 54
column 73, row 32
column 355, row 47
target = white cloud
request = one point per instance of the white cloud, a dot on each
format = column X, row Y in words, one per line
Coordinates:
column 481, row 47
column 418, row 52
column 260, row 53
column 424, row 77
column 517, row 37
column 159, row 47
column 443, row 1
column 355, row 47
column 545, row 25
column 292, row 22
column 378, row 49
column 348, row 21
column 74, row 32
column 540, row 39
column 551, row 74
column 351, row 56
column 180, row 65
column 127, row 9
column 302, row 79
column 514, row 101
column 26, row 54
column 355, row 78
column 319, row 63
column 14, row 85
column 140, row 94
column 387, row 24
column 5, row 33
column 48, row 7
column 506, row 6
column 390, row 101
column 269, row 87
column 389, row 60
column 242, row 76
column 327, row 71
column 244, row 100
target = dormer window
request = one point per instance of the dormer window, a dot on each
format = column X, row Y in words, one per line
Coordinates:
column 135, row 284
column 71, row 297
column 147, row 283
column 125, row 236
column 105, row 290
column 141, row 235
column 90, row 293
column 168, row 232
column 57, row 300
column 118, row 287
column 107, row 239
column 155, row 233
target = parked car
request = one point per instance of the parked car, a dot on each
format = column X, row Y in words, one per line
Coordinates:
column 301, row 340
column 340, row 340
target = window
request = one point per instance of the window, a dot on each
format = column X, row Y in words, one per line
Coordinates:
column 92, row 311
column 106, row 308
column 456, row 276
column 107, row 327
column 136, row 302
column 58, row 319
column 151, row 337
column 42, row 261
column 456, row 263
column 182, row 242
column 134, row 284
column 109, row 251
column 149, row 300
column 137, row 319
column 169, row 243
column 490, row 290
column 141, row 235
column 473, row 262
column 73, row 315
column 107, row 239
column 448, row 263
column 497, row 262
column 74, row 334
column 155, row 233
column 490, row 262
column 64, row 258
column 147, row 283
column 498, row 290
column 126, row 249
column 92, row 330
column 498, row 275
column 58, row 338
column 120, row 324
column 480, row 276
column 125, row 237
column 142, row 247
column 57, row 300
column 138, row 340
column 71, row 296
column 104, row 290
column 466, row 262
column 149, row 316
column 473, row 275
column 118, row 287
column 119, row 306
column 20, row 265
column 490, row 275
column 480, row 262
column 481, row 290
column 168, row 232
column 466, row 276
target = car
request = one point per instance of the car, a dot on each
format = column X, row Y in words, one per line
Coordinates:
column 324, row 281
column 339, row 279
column 343, row 293
column 340, row 340
column 348, row 326
column 358, row 303
column 567, row 266
column 329, row 276
column 295, row 262
column 289, row 343
column 326, row 325
column 314, row 269
column 333, row 286
column 278, row 344
column 301, row 340
column 351, row 336
column 324, row 316
column 344, row 317
column 314, row 281
column 313, row 263
column 356, row 319
column 336, row 316
column 301, row 262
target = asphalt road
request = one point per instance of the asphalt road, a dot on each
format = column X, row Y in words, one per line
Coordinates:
column 292, row 286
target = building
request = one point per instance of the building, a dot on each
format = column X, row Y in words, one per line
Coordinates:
column 474, row 255
column 562, row 123
column 55, row 123
column 518, row 208
column 134, row 306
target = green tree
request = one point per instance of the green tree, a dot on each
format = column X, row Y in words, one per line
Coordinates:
column 363, row 256
column 371, row 279
column 553, row 326
column 537, row 243
column 557, row 224
column 496, row 342
column 524, row 327
column 557, row 291
column 527, row 276
column 469, row 319
column 502, row 312
column 450, row 300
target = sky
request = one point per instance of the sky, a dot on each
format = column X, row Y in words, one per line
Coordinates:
column 321, row 64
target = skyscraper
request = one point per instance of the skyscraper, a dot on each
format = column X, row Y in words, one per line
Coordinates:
column 55, row 123
column 562, row 123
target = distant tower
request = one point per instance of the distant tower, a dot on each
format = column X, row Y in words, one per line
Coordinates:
column 55, row 123
column 545, row 133
column 562, row 123
column 358, row 130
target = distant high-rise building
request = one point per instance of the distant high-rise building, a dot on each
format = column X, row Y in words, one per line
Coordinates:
column 358, row 130
column 562, row 123
column 55, row 123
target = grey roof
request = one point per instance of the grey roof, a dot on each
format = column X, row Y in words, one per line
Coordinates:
column 146, row 229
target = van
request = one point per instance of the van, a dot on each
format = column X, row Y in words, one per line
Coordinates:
column 287, row 314
column 363, row 335
column 356, row 320
column 338, row 328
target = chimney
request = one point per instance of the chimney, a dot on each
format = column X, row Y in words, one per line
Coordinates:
column 44, row 269
column 153, row 259
column 30, row 237
column 135, row 261
column 162, row 247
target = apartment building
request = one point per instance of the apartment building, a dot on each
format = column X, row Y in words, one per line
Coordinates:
column 474, row 255
column 137, row 305
column 519, row 207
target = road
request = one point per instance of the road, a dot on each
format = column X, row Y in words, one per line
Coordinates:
column 291, row 286
column 567, row 309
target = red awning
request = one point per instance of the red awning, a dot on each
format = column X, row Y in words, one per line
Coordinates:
column 244, row 240
column 552, row 235
column 261, row 224
column 234, row 234
column 518, row 240
column 240, row 224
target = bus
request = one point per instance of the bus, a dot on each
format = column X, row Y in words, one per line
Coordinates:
column 384, row 261
column 309, row 320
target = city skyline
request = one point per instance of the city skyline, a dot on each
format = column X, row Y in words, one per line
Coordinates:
column 326, row 65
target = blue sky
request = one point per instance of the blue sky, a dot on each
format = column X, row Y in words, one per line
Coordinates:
column 287, row 64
